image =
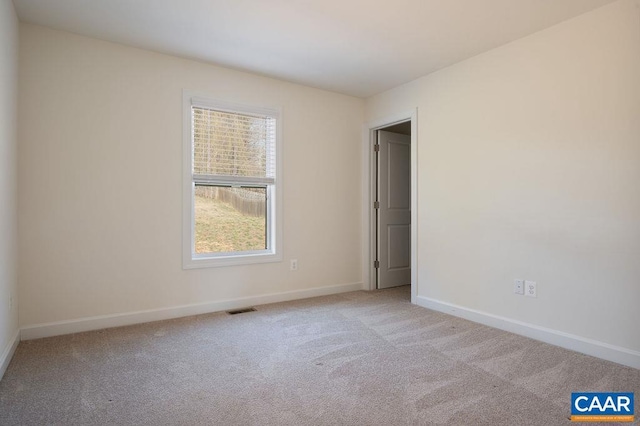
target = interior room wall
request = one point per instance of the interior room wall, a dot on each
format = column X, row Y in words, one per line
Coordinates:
column 529, row 163
column 100, row 180
column 8, row 181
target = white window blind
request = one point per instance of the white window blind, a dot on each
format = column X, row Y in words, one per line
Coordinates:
column 233, row 148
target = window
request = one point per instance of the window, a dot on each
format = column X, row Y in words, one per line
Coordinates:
column 231, row 184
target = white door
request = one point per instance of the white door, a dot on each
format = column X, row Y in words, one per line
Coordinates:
column 394, row 209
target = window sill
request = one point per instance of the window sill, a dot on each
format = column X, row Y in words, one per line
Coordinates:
column 230, row 260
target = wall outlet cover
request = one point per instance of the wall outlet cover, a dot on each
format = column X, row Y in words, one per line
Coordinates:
column 530, row 289
column 518, row 286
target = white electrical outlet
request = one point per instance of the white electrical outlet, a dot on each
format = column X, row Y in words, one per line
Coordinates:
column 294, row 264
column 530, row 289
column 518, row 286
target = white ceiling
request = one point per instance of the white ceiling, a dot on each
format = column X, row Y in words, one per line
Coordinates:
column 356, row 47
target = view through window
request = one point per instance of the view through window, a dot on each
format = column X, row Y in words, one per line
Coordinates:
column 233, row 172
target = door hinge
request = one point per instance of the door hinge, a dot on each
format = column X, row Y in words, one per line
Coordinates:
column 376, row 264
column 376, row 204
column 376, row 147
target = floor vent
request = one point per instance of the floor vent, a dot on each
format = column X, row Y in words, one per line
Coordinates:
column 241, row 311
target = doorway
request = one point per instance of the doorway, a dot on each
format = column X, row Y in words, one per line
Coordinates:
column 392, row 206
column 402, row 258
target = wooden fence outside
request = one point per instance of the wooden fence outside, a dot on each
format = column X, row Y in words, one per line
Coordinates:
column 246, row 201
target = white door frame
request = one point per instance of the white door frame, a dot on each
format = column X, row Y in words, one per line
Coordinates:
column 368, row 195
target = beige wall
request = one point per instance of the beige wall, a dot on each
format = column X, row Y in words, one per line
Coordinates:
column 8, row 177
column 529, row 166
column 100, row 163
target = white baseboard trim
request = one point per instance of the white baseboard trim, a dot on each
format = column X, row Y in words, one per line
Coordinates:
column 8, row 352
column 591, row 347
column 58, row 328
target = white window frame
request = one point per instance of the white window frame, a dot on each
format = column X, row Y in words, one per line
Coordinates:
column 273, row 253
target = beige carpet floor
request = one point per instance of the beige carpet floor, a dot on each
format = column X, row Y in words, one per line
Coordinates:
column 361, row 358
